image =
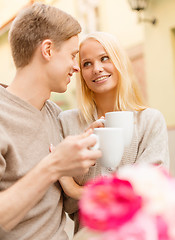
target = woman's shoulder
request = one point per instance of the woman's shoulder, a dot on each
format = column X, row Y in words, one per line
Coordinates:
column 150, row 117
column 149, row 113
column 71, row 123
column 72, row 113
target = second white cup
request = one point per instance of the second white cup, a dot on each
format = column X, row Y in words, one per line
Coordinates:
column 111, row 143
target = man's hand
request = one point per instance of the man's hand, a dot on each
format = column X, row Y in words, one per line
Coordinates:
column 74, row 156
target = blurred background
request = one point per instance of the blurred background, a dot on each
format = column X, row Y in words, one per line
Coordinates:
column 145, row 28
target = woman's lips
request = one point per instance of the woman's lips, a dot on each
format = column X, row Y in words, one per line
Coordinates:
column 101, row 79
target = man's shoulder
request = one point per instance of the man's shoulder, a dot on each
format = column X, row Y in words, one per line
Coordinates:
column 53, row 107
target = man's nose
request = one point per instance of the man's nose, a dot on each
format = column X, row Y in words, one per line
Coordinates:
column 76, row 67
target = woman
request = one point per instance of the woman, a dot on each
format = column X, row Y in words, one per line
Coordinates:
column 107, row 83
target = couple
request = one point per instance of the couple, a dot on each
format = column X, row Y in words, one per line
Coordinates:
column 44, row 45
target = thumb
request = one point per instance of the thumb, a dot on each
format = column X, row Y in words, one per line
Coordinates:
column 87, row 133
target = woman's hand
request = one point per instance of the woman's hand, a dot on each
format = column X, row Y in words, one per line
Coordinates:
column 71, row 188
column 97, row 124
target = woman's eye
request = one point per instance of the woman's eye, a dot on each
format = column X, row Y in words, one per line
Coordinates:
column 104, row 58
column 86, row 64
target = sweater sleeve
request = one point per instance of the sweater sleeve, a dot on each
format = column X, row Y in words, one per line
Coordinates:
column 3, row 152
column 153, row 145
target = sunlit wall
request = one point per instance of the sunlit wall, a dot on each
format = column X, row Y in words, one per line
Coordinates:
column 160, row 58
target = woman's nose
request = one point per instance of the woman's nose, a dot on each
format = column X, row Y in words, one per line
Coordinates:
column 98, row 67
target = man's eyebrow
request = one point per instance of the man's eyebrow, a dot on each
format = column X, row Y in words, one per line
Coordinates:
column 75, row 52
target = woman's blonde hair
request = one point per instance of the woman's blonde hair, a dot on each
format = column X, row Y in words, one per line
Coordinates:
column 128, row 94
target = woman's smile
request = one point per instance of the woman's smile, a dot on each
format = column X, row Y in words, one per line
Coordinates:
column 101, row 79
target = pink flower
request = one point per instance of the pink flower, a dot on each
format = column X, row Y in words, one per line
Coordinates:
column 162, row 229
column 137, row 203
column 108, row 203
column 141, row 227
column 155, row 186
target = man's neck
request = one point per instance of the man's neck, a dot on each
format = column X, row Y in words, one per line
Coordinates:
column 28, row 87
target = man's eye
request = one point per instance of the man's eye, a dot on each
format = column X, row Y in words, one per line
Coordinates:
column 104, row 58
column 86, row 64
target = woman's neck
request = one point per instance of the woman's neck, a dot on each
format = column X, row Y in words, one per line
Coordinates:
column 105, row 103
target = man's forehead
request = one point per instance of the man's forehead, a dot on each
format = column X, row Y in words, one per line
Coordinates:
column 72, row 44
column 75, row 51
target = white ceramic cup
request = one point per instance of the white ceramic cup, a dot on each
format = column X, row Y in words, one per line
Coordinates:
column 121, row 119
column 110, row 141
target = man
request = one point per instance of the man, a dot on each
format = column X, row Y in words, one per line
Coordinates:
column 44, row 45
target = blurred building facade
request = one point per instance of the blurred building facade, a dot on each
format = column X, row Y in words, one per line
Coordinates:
column 151, row 48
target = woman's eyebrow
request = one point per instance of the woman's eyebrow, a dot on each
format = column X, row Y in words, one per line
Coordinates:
column 85, row 59
column 88, row 59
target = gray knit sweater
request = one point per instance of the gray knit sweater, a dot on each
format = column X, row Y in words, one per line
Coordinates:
column 149, row 143
column 25, row 137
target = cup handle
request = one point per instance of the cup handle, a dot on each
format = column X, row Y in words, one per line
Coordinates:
column 97, row 145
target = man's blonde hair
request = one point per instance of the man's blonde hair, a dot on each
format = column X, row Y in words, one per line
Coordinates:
column 128, row 94
column 35, row 24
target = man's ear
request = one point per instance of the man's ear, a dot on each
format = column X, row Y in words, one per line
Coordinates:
column 46, row 49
